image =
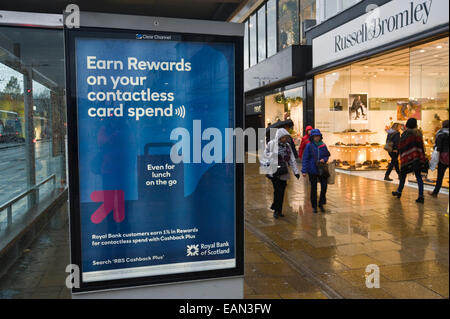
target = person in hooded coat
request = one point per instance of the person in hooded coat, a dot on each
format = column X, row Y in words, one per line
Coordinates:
column 316, row 151
column 280, row 148
column 393, row 137
column 291, row 142
column 305, row 141
column 441, row 144
column 412, row 157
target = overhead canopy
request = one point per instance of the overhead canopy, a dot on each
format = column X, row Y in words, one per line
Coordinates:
column 43, row 50
column 37, row 49
column 187, row 9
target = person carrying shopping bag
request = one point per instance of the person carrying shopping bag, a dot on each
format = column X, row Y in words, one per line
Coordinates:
column 314, row 161
column 412, row 158
column 279, row 148
column 441, row 146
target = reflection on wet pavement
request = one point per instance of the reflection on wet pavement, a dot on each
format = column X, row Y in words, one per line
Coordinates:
column 303, row 255
column 363, row 224
column 40, row 272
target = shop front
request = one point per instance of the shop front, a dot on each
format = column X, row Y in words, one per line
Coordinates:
column 275, row 90
column 272, row 106
column 400, row 74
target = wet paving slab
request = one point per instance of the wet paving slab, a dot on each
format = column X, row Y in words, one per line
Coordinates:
column 303, row 255
column 40, row 272
column 363, row 225
column 270, row 276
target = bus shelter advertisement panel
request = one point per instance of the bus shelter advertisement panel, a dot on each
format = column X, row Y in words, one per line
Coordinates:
column 143, row 214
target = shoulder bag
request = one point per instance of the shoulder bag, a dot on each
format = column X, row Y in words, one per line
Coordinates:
column 322, row 167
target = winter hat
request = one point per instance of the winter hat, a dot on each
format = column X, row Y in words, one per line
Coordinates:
column 411, row 123
column 315, row 132
column 308, row 128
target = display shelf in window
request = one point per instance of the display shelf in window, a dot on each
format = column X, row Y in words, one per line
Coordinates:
column 356, row 153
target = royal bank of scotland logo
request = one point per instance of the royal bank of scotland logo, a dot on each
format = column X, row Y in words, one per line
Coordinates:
column 192, row 250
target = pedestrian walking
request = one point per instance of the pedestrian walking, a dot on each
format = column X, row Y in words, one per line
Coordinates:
column 305, row 141
column 441, row 145
column 392, row 141
column 314, row 161
column 280, row 148
column 412, row 157
column 291, row 142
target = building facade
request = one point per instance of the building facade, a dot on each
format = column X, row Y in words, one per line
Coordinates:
column 379, row 68
column 277, row 58
column 351, row 69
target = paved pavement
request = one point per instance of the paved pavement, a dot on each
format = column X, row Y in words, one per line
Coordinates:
column 302, row 255
column 40, row 271
column 363, row 225
column 379, row 176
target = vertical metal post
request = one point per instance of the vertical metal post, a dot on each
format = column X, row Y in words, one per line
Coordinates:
column 277, row 28
column 63, row 133
column 9, row 215
column 50, row 130
column 54, row 135
column 30, row 152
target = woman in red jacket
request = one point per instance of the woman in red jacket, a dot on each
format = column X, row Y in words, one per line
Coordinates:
column 305, row 141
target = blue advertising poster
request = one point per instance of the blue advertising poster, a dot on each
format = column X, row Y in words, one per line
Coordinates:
column 141, row 213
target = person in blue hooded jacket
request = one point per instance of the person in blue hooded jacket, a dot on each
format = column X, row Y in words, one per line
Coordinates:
column 316, row 151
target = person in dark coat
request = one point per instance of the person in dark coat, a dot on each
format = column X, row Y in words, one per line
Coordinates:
column 316, row 151
column 441, row 144
column 394, row 138
column 412, row 157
